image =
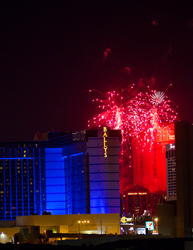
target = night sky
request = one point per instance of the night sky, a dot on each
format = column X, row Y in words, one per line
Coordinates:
column 52, row 53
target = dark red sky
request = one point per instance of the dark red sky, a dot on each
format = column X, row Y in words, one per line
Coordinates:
column 51, row 54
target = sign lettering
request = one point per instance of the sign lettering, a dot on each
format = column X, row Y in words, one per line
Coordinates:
column 105, row 141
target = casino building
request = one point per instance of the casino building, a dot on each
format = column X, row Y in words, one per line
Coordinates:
column 61, row 174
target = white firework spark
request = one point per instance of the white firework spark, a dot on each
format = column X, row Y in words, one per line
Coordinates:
column 157, row 97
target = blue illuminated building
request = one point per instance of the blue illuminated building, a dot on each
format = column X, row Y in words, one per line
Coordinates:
column 62, row 174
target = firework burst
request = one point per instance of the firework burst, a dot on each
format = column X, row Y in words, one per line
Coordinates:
column 157, row 97
column 154, row 115
column 116, row 111
column 153, row 108
column 142, row 116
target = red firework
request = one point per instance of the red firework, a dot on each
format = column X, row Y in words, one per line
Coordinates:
column 138, row 116
column 154, row 114
column 115, row 111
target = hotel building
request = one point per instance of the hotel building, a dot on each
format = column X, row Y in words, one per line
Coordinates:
column 64, row 174
column 171, row 172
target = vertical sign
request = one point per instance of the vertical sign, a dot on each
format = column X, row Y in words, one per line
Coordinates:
column 105, row 141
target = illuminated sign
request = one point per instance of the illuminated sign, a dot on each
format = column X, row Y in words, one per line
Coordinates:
column 172, row 146
column 149, row 225
column 171, row 137
column 125, row 220
column 141, row 230
column 138, row 193
column 105, row 141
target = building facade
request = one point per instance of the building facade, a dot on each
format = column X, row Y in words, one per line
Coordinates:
column 171, row 172
column 73, row 223
column 137, row 201
column 179, row 157
column 184, row 178
column 22, row 179
column 65, row 174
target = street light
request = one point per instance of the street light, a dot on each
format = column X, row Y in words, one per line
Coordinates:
column 2, row 236
column 83, row 223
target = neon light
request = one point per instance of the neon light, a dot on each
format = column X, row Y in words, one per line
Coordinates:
column 105, row 141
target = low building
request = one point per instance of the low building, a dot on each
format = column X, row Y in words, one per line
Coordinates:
column 74, row 223
column 137, row 199
column 59, row 227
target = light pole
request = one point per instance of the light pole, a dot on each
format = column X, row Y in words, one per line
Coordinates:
column 101, row 226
